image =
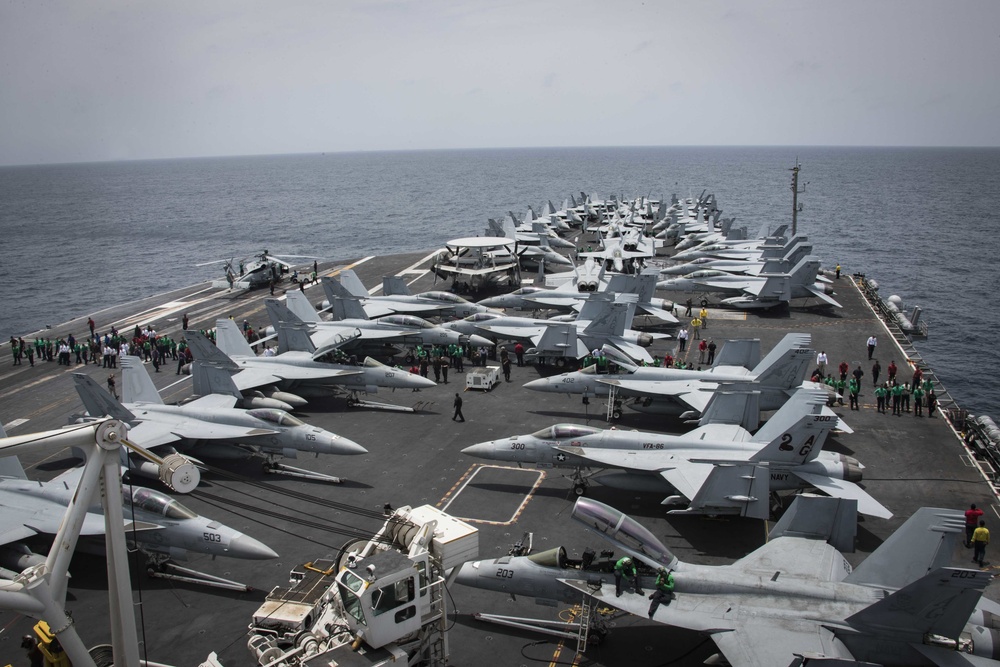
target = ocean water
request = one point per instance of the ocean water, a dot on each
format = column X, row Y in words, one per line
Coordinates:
column 923, row 222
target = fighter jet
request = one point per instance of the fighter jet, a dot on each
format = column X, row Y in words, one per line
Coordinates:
column 785, row 256
column 796, row 597
column 208, row 426
column 397, row 298
column 675, row 391
column 562, row 292
column 349, row 317
column 714, row 469
column 158, row 524
column 763, row 291
column 603, row 320
column 294, row 370
column 572, row 294
column 626, row 250
column 542, row 575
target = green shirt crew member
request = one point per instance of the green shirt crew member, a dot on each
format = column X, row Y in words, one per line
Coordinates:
column 880, row 393
column 853, row 388
column 918, row 401
column 626, row 568
column 664, row 592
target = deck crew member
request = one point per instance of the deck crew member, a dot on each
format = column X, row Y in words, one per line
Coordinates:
column 980, row 538
column 626, row 568
column 664, row 590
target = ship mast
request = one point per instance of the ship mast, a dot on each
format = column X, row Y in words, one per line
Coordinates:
column 796, row 207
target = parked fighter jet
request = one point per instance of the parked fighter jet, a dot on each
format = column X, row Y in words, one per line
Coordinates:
column 208, row 426
column 397, row 298
column 562, row 290
column 676, row 391
column 787, row 256
column 603, row 320
column 542, row 575
column 624, row 251
column 715, row 469
column 158, row 524
column 571, row 295
column 292, row 370
column 734, row 248
column 349, row 317
column 763, row 291
column 796, row 597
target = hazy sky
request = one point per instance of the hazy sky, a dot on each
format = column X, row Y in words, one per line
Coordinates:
column 108, row 80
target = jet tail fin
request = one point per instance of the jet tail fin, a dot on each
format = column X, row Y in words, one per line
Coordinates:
column 279, row 312
column 785, row 366
column 137, row 386
column 230, row 340
column 939, row 603
column 347, row 308
column 734, row 403
column 205, row 352
column 294, row 337
column 395, row 286
column 558, row 340
column 334, row 289
column 350, row 281
column 743, row 352
column 805, row 271
column 924, row 543
column 99, row 402
column 834, row 520
column 612, row 317
column 298, row 303
column 796, row 432
column 211, row 379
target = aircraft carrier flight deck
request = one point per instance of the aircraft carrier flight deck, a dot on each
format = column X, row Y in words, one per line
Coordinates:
column 415, row 458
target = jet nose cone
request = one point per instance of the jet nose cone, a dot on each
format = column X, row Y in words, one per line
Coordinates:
column 475, row 339
column 420, row 382
column 468, row 573
column 483, row 450
column 541, row 384
column 341, row 445
column 247, row 547
column 492, row 302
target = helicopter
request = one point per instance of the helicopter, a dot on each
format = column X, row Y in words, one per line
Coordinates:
column 256, row 271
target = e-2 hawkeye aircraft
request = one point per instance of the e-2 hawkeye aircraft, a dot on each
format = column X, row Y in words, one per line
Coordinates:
column 718, row 468
column 794, row 601
column 676, row 391
column 208, row 426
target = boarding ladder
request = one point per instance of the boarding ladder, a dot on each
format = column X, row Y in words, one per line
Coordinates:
column 612, row 403
column 585, row 611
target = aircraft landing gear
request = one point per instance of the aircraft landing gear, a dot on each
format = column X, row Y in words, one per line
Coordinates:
column 580, row 482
